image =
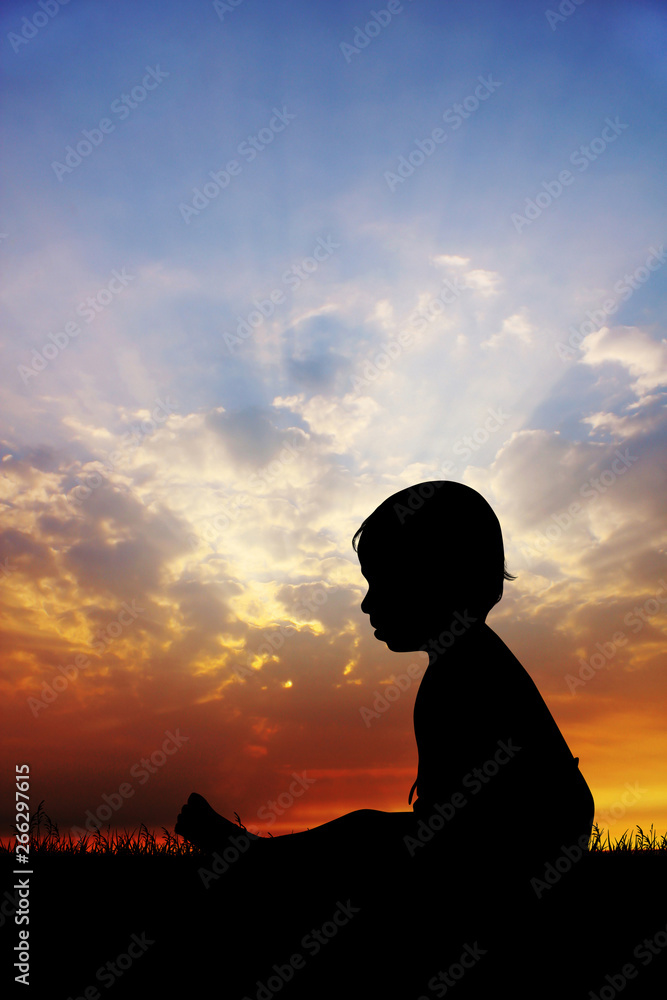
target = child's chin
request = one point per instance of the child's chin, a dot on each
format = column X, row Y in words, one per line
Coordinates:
column 400, row 643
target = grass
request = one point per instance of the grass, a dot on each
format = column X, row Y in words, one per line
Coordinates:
column 45, row 838
column 638, row 841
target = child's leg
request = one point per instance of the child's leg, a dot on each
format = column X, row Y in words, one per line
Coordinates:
column 199, row 823
column 354, row 830
column 355, row 834
column 360, row 855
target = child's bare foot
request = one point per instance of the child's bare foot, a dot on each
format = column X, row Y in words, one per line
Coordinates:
column 199, row 823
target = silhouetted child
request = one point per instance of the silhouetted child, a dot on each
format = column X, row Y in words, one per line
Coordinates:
column 499, row 793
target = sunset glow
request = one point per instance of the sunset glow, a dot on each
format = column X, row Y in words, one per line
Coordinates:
column 206, row 393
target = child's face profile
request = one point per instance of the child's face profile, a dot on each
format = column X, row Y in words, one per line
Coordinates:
column 438, row 571
column 402, row 602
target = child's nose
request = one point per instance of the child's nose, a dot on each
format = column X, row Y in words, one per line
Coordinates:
column 370, row 601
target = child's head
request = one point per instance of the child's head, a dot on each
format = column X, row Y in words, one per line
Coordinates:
column 429, row 551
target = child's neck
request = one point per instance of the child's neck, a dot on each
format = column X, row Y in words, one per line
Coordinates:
column 455, row 638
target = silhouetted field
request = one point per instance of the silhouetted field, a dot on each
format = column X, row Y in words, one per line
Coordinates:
column 128, row 916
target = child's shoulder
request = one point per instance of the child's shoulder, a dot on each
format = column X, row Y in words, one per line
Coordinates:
column 487, row 660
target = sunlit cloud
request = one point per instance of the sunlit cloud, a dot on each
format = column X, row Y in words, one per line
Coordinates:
column 182, row 477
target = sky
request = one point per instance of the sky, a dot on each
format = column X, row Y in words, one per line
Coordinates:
column 263, row 266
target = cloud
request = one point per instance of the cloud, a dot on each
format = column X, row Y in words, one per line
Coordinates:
column 516, row 327
column 642, row 419
column 450, row 260
column 233, row 514
column 313, row 352
column 643, row 357
column 339, row 422
column 485, row 282
column 580, row 512
column 249, row 436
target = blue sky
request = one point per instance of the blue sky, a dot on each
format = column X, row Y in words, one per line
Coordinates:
column 324, row 371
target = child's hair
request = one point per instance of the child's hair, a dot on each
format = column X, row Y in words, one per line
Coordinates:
column 444, row 527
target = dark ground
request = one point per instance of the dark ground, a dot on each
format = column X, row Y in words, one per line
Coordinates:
column 584, row 934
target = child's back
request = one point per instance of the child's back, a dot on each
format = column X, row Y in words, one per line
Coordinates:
column 484, row 731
